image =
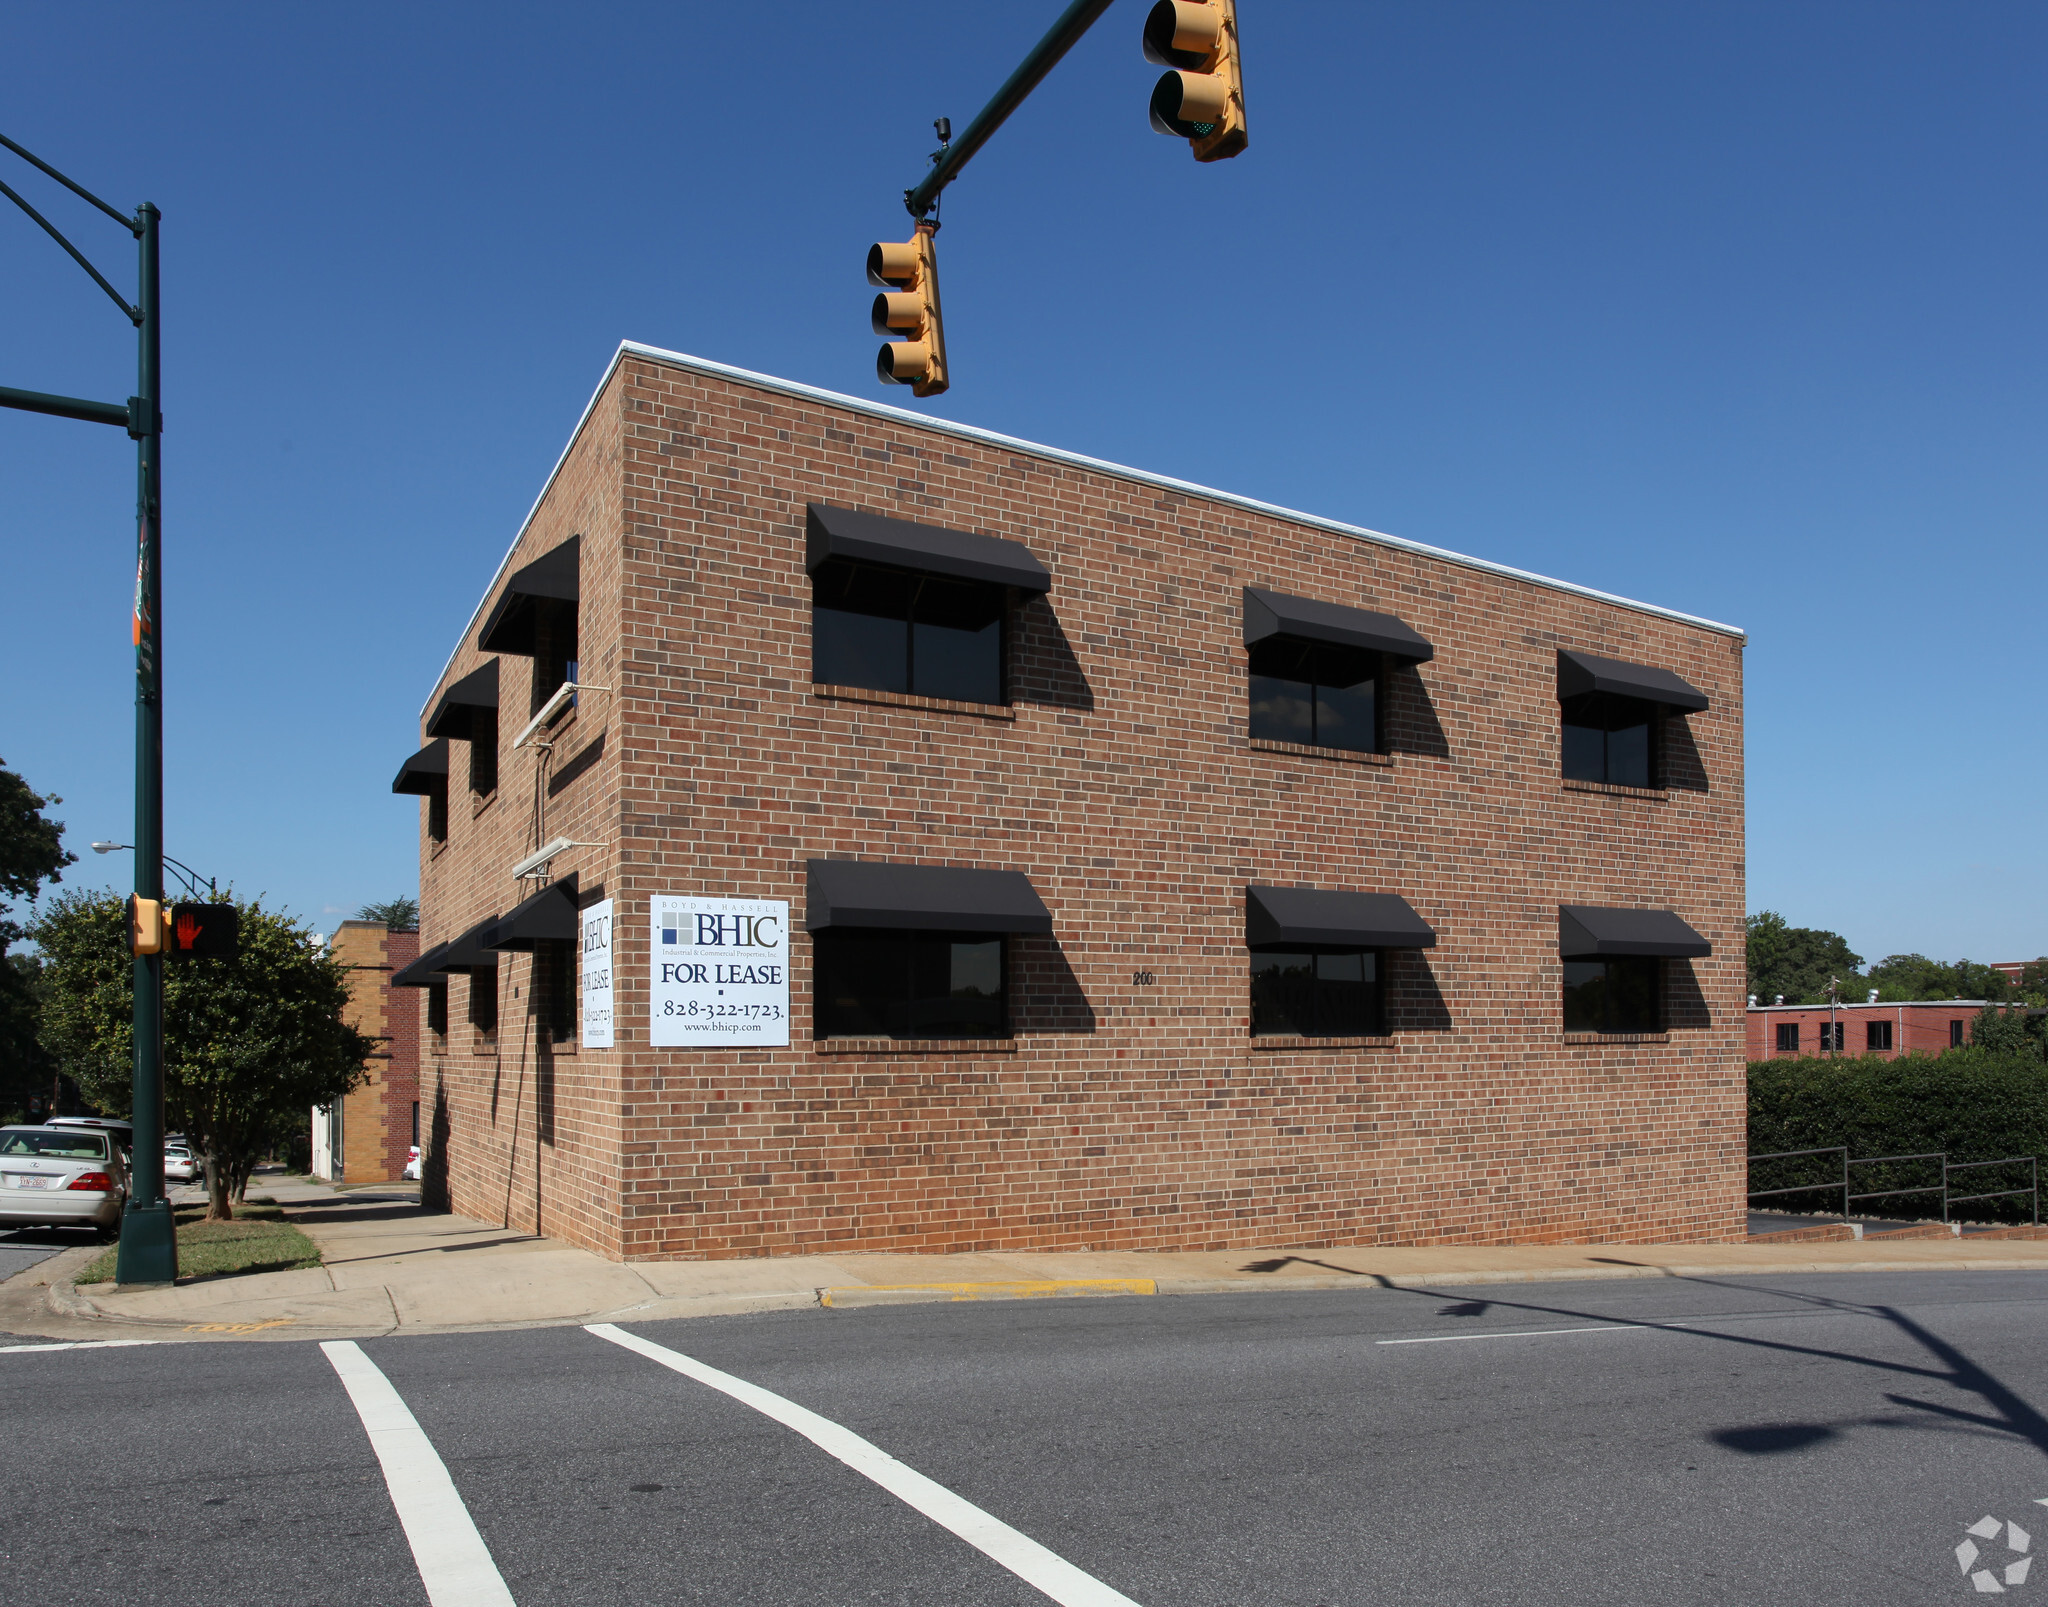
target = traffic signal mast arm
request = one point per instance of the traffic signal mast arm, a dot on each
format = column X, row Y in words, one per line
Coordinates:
column 1076, row 20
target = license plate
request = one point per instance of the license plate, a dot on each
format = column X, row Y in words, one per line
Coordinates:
column 28, row 1180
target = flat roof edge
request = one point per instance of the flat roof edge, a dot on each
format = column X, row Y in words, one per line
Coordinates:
column 1165, row 482
column 1079, row 460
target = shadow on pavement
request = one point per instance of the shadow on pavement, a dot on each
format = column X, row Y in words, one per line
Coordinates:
column 2006, row 1411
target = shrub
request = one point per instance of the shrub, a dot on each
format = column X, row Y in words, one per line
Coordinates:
column 1976, row 1104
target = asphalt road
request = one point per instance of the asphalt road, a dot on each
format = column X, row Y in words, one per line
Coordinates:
column 1798, row 1441
column 22, row 1248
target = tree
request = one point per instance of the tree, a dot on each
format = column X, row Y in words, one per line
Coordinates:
column 250, row 1044
column 31, row 853
column 401, row 914
column 1797, row 961
column 1900, row 978
column 2007, row 1032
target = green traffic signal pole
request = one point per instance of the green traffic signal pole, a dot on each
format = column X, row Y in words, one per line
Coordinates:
column 1076, row 20
column 149, row 1246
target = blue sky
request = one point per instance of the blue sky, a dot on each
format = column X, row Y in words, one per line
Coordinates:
column 1735, row 309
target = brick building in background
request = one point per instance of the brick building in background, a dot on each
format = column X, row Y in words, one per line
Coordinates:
column 1889, row 1030
column 1163, row 869
column 366, row 1138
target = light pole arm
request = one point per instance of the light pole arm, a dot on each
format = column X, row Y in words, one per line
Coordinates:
column 1076, row 20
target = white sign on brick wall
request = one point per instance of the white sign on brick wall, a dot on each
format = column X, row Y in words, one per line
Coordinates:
column 597, row 976
column 719, row 972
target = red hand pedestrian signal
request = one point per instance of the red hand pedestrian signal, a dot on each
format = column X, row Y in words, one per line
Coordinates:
column 205, row 931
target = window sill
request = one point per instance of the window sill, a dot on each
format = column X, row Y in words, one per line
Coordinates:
column 436, row 847
column 479, row 803
column 1302, row 750
column 1280, row 1041
column 1655, row 794
column 915, row 1046
column 1617, row 1037
column 905, row 700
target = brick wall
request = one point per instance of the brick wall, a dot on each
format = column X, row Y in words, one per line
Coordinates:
column 1121, row 779
column 364, row 947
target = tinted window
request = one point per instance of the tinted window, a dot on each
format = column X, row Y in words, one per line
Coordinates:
column 1877, row 1035
column 483, row 1001
column 892, row 631
column 870, row 984
column 1323, row 993
column 1609, row 738
column 1311, row 693
column 1788, row 1035
column 1612, row 995
column 58, row 1146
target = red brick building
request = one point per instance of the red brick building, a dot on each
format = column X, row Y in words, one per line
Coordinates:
column 1890, row 1030
column 1128, row 864
column 366, row 1138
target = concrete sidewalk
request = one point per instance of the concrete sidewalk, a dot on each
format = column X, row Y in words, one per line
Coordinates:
column 392, row 1268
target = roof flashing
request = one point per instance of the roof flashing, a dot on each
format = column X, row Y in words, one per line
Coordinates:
column 968, row 432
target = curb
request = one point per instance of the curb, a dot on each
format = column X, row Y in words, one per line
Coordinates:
column 905, row 1294
column 63, row 1299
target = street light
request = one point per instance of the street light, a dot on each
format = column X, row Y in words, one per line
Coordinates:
column 192, row 883
column 149, row 1245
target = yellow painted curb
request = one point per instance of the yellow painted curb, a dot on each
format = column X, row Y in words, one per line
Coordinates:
column 891, row 1294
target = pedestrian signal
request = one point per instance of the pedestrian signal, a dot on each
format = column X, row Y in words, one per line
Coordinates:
column 145, row 925
column 1202, row 100
column 205, row 931
column 906, row 314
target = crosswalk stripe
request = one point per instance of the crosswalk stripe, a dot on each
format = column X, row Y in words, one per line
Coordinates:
column 1031, row 1562
column 454, row 1563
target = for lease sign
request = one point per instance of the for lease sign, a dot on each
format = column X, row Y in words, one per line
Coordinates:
column 597, row 976
column 719, row 971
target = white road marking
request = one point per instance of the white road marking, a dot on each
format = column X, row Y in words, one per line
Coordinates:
column 1530, row 1333
column 80, row 1344
column 454, row 1563
column 1026, row 1558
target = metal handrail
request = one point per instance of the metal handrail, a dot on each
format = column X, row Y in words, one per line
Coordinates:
column 1807, row 1188
column 1940, row 1188
column 1948, row 1199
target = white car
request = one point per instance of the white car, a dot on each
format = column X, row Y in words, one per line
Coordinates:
column 412, row 1165
column 181, row 1165
column 61, row 1177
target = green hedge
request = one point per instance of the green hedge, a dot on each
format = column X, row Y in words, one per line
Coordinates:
column 1976, row 1104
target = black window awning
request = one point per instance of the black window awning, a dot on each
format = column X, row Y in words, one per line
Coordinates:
column 1590, row 932
column 476, row 690
column 1586, row 672
column 932, row 898
column 467, row 952
column 873, row 538
column 555, row 576
column 1306, row 915
column 425, row 772
column 547, row 917
column 425, row 972
column 1272, row 613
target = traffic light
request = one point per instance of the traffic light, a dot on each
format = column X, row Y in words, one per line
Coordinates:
column 906, row 314
column 205, row 931
column 145, row 925
column 1202, row 101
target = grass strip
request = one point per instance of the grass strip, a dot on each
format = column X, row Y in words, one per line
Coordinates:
column 258, row 1240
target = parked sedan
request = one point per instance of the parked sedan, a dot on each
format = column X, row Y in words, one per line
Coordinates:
column 62, row 1177
column 180, row 1164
